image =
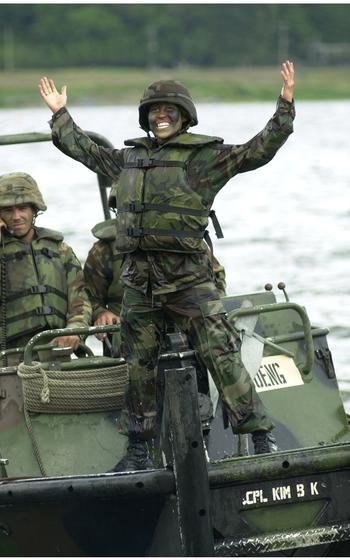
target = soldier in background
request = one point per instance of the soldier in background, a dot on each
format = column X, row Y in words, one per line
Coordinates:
column 102, row 271
column 165, row 186
column 42, row 283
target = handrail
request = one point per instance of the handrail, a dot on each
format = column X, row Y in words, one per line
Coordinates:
column 273, row 307
column 24, row 138
column 28, row 352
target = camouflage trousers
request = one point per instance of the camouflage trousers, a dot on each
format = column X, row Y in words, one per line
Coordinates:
column 200, row 314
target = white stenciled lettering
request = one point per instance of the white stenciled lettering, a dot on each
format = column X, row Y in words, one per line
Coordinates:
column 253, row 497
column 313, row 488
column 277, row 372
column 281, row 493
column 300, row 490
column 269, row 375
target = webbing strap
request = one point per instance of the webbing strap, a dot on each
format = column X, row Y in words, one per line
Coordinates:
column 45, row 310
column 15, row 256
column 146, row 163
column 39, row 289
column 218, row 231
column 138, row 207
column 20, row 254
column 140, row 232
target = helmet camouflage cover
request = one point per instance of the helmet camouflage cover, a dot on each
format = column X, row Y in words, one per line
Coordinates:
column 166, row 91
column 20, row 188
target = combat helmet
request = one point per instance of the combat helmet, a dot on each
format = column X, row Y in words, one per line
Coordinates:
column 167, row 91
column 20, row 188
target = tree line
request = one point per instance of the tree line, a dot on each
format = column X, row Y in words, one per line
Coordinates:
column 172, row 35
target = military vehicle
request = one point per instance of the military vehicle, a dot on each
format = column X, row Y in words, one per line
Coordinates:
column 208, row 495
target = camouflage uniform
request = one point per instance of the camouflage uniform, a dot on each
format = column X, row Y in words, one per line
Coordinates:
column 43, row 286
column 102, row 271
column 163, row 196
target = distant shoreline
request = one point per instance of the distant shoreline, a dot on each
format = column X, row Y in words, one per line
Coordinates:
column 109, row 86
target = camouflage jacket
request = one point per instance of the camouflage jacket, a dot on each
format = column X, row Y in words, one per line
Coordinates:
column 102, row 271
column 208, row 170
column 43, row 286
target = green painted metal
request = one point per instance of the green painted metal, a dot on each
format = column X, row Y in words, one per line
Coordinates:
column 287, row 540
column 281, row 465
column 49, row 334
column 69, row 444
column 26, row 138
column 275, row 307
column 298, row 411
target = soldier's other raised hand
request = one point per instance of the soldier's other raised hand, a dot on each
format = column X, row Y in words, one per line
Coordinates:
column 287, row 73
column 53, row 99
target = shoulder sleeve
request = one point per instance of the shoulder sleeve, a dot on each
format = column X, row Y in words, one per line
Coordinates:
column 79, row 307
column 98, row 276
column 215, row 165
column 75, row 143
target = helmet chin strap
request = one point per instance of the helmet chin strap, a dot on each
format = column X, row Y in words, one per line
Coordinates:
column 35, row 215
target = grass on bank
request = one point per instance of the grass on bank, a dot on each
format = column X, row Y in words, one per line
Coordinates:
column 18, row 88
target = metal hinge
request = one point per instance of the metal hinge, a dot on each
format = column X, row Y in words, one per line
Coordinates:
column 325, row 355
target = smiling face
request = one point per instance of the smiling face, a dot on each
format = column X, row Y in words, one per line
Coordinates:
column 19, row 220
column 165, row 120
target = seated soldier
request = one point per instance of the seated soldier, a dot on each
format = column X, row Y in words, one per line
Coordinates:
column 42, row 282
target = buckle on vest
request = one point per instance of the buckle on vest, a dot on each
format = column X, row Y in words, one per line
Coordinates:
column 134, row 232
column 145, row 162
column 45, row 310
column 47, row 252
column 136, row 207
column 38, row 289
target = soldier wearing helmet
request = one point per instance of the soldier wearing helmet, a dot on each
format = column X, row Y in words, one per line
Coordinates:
column 165, row 186
column 41, row 278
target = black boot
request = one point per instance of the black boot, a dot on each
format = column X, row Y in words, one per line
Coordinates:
column 136, row 458
column 263, row 442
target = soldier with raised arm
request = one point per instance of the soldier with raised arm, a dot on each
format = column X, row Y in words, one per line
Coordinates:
column 165, row 184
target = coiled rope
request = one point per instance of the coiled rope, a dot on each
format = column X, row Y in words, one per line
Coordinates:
column 90, row 390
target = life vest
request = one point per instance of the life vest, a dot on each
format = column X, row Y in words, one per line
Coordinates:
column 106, row 231
column 36, row 284
column 157, row 208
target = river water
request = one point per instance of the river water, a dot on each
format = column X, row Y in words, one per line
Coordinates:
column 288, row 221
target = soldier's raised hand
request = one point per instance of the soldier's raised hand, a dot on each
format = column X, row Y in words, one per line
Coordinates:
column 287, row 73
column 53, row 99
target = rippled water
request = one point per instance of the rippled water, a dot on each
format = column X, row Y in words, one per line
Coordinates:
column 289, row 220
